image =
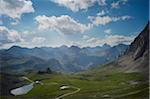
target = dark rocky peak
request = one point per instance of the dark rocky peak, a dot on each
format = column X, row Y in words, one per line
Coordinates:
column 74, row 48
column 17, row 48
column 140, row 45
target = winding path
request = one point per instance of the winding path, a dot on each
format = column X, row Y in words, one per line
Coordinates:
column 61, row 96
column 26, row 78
column 70, row 93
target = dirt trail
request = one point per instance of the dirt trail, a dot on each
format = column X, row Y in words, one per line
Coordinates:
column 61, row 96
column 26, row 78
column 70, row 93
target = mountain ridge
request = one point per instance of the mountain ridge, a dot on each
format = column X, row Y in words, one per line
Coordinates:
column 68, row 59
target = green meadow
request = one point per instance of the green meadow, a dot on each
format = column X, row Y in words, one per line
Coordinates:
column 96, row 83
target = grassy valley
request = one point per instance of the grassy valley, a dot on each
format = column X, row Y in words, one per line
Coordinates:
column 97, row 83
column 74, row 49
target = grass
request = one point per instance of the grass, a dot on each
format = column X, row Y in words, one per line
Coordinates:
column 94, row 84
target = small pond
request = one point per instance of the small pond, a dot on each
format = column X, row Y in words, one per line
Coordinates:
column 22, row 90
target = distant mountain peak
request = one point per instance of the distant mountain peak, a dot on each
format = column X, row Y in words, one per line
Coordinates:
column 15, row 46
column 63, row 46
column 74, row 47
column 106, row 46
column 121, row 44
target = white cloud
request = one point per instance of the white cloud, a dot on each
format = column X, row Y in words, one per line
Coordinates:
column 108, row 31
column 15, row 8
column 102, row 13
column 63, row 24
column 15, row 22
column 85, row 37
column 102, row 2
column 118, row 3
column 38, row 40
column 102, row 17
column 26, row 34
column 117, row 39
column 103, row 20
column 9, row 36
column 76, row 5
column 1, row 21
column 110, row 39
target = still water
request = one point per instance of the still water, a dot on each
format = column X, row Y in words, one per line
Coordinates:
column 22, row 90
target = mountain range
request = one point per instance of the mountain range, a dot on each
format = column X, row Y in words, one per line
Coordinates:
column 60, row 59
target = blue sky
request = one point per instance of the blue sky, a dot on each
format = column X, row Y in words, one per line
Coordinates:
column 54, row 23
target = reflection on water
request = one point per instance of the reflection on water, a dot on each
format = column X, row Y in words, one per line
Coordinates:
column 22, row 90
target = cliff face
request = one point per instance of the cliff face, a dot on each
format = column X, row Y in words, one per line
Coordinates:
column 136, row 57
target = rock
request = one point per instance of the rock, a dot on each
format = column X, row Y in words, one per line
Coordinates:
column 64, row 87
column 106, row 96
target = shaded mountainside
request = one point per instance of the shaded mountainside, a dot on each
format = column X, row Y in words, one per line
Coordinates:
column 8, row 82
column 136, row 57
column 15, row 65
column 66, row 59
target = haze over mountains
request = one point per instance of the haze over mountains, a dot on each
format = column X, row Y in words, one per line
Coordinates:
column 124, row 76
column 75, row 59
column 62, row 59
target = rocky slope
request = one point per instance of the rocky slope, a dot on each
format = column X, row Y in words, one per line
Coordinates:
column 136, row 57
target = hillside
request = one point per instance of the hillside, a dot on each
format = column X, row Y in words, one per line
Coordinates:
column 136, row 58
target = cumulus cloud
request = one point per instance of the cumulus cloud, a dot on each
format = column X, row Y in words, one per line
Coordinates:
column 15, row 22
column 76, row 5
column 85, row 37
column 15, row 8
column 118, row 3
column 27, row 33
column 102, row 2
column 117, row 39
column 103, row 20
column 107, row 31
column 9, row 36
column 38, row 40
column 110, row 39
column 101, row 13
column 63, row 24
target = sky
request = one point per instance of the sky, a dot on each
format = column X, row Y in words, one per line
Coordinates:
column 83, row 23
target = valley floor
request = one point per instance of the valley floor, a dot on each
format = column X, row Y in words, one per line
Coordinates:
column 93, row 84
